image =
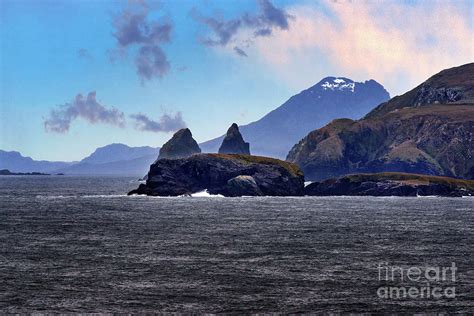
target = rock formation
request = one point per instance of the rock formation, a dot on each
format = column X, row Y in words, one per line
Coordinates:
column 392, row 184
column 234, row 143
column 229, row 175
column 428, row 130
column 181, row 145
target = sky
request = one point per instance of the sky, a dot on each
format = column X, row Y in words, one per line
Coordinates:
column 80, row 74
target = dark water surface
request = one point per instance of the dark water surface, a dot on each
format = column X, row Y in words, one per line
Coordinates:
column 80, row 245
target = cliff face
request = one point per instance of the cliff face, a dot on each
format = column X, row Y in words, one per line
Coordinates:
column 435, row 138
column 234, row 143
column 181, row 145
column 228, row 175
column 449, row 87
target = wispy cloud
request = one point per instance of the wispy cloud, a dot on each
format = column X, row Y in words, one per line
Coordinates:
column 90, row 110
column 269, row 18
column 132, row 28
column 224, row 32
column 182, row 68
column 240, row 51
column 86, row 108
column 151, row 62
column 399, row 44
column 83, row 53
column 166, row 123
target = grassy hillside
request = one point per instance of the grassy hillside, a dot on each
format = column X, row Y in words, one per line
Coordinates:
column 410, row 178
column 292, row 168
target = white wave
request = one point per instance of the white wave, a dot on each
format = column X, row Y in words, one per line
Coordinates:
column 139, row 181
column 427, row 196
column 205, row 193
column 104, row 195
column 53, row 197
column 144, row 196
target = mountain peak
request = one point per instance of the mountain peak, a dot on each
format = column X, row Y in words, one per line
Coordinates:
column 329, row 86
column 344, row 84
column 337, row 84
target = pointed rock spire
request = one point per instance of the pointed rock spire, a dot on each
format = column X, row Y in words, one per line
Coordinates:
column 181, row 145
column 234, row 143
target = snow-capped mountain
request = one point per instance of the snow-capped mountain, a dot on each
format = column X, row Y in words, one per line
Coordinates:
column 331, row 98
column 340, row 84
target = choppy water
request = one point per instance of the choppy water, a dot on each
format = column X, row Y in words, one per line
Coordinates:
column 80, row 245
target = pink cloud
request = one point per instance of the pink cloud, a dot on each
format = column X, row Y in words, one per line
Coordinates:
column 398, row 44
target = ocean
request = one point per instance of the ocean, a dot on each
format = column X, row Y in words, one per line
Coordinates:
column 79, row 244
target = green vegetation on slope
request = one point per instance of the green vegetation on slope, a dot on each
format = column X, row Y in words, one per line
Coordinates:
column 292, row 168
column 410, row 178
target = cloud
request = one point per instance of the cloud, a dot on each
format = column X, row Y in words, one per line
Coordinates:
column 87, row 108
column 151, row 62
column 166, row 123
column 83, row 53
column 269, row 18
column 262, row 24
column 263, row 32
column 132, row 29
column 397, row 43
column 223, row 31
column 182, row 68
column 273, row 16
column 240, row 52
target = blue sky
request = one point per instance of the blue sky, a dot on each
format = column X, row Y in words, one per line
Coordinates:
column 51, row 51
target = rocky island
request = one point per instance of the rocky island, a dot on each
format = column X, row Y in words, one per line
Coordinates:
column 225, row 174
column 181, row 170
column 392, row 184
column 6, row 172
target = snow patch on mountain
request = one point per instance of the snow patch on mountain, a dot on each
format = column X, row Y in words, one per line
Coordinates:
column 338, row 84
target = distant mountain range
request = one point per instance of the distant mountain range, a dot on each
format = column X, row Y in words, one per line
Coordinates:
column 428, row 130
column 113, row 159
column 15, row 162
column 118, row 152
column 133, row 167
column 333, row 97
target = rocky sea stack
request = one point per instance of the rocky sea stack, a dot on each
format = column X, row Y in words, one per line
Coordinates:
column 392, row 184
column 234, row 143
column 181, row 145
column 228, row 175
